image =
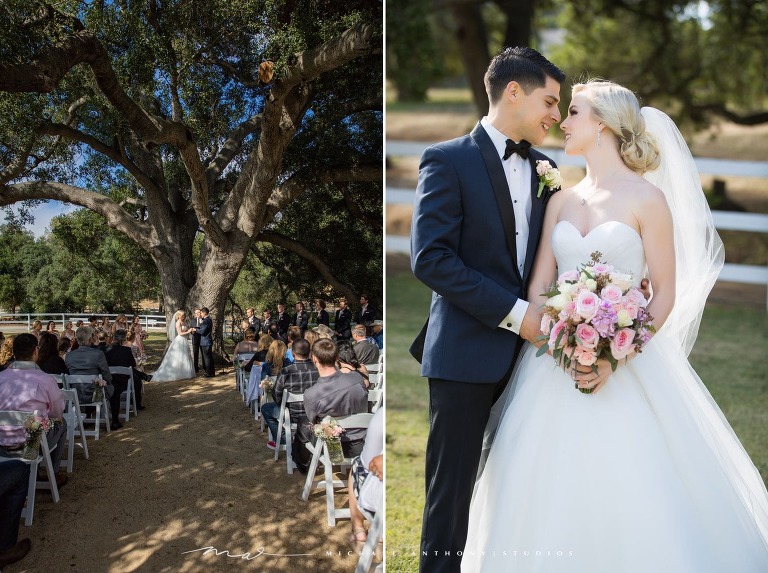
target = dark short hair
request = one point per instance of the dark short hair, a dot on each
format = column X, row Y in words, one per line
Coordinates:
column 24, row 346
column 294, row 332
column 300, row 347
column 523, row 65
column 119, row 336
column 321, row 302
column 205, row 310
column 325, row 351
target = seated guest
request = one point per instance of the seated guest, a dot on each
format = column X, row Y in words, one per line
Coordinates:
column 366, row 488
column 274, row 332
column 248, row 343
column 14, row 476
column 64, row 346
column 335, row 394
column 294, row 334
column 348, row 361
column 311, row 336
column 260, row 354
column 23, row 386
column 275, row 359
column 120, row 354
column 377, row 333
column 48, row 358
column 6, row 352
column 367, row 352
column 87, row 360
column 323, row 331
column 102, row 336
column 296, row 378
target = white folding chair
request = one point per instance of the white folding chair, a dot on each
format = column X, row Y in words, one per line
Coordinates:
column 101, row 408
column 74, row 418
column 15, row 418
column 373, row 368
column 241, row 358
column 130, row 392
column 375, row 400
column 284, row 426
column 375, row 533
column 320, row 455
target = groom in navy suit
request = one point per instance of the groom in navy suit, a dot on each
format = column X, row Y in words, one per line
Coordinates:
column 205, row 330
column 476, row 227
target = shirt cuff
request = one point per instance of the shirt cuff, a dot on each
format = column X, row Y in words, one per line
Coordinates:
column 514, row 320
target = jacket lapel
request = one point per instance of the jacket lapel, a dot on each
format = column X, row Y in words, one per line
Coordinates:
column 500, row 188
column 537, row 217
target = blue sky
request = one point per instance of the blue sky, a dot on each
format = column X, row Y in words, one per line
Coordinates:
column 45, row 212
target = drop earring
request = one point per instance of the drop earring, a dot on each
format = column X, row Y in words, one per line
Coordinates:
column 598, row 137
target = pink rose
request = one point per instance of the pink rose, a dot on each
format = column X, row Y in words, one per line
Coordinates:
column 555, row 332
column 585, row 356
column 612, row 294
column 631, row 308
column 622, row 343
column 546, row 323
column 634, row 295
column 602, row 268
column 587, row 304
column 568, row 276
column 588, row 335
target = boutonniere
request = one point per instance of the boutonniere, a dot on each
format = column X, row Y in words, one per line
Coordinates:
column 548, row 176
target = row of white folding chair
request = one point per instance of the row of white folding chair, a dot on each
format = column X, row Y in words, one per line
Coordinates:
column 74, row 419
column 375, row 533
column 284, row 426
column 320, row 455
column 17, row 418
column 129, row 394
column 240, row 379
column 72, row 381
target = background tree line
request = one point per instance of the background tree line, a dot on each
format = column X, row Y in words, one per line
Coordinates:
column 701, row 60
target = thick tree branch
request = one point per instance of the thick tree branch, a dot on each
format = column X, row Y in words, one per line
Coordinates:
column 298, row 183
column 322, row 267
column 232, row 147
column 113, row 153
column 755, row 118
column 352, row 43
column 115, row 216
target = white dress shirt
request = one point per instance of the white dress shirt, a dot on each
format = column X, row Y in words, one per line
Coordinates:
column 518, row 172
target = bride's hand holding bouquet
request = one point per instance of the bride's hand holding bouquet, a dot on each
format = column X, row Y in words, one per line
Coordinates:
column 593, row 318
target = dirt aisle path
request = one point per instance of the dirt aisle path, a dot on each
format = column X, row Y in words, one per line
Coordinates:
column 192, row 471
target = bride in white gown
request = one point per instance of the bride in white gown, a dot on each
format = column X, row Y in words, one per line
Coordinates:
column 645, row 474
column 177, row 363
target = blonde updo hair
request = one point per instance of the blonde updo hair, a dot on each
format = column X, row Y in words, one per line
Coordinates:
column 619, row 110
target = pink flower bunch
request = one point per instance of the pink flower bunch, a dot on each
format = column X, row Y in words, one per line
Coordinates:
column 328, row 427
column 594, row 312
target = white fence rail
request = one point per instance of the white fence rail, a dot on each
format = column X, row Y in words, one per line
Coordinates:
column 724, row 220
column 23, row 322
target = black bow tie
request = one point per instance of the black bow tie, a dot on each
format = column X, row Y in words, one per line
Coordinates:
column 520, row 148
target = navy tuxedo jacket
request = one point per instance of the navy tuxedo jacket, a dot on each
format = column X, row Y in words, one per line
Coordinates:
column 205, row 330
column 463, row 248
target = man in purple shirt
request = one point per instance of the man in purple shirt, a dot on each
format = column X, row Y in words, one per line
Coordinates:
column 23, row 386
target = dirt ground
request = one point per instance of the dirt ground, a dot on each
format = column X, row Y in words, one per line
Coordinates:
column 191, row 471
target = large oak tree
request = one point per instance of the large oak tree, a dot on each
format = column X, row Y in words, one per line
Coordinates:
column 175, row 118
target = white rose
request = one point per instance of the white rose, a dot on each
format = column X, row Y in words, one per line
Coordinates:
column 624, row 318
column 621, row 280
column 591, row 284
column 557, row 302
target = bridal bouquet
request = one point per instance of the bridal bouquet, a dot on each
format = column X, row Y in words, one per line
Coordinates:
column 330, row 431
column 594, row 312
column 35, row 427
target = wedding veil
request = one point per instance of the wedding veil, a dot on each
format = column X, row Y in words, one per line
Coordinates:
column 699, row 251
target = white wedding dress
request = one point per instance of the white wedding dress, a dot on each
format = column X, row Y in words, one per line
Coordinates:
column 178, row 363
column 644, row 476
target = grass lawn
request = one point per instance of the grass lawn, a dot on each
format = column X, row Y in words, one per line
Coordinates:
column 729, row 357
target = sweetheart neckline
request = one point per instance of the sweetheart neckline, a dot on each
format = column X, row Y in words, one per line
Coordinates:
column 596, row 227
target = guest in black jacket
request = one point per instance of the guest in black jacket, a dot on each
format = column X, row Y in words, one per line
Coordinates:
column 118, row 354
